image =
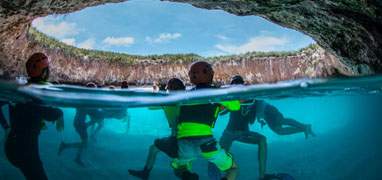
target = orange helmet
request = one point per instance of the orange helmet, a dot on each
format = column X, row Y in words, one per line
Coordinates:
column 37, row 64
column 201, row 72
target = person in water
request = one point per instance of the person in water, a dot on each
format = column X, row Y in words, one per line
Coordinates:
column 124, row 85
column 26, row 122
column 169, row 144
column 81, row 126
column 194, row 130
column 238, row 130
column 271, row 116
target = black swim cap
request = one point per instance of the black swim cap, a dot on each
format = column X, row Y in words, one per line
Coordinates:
column 91, row 85
column 175, row 84
column 237, row 80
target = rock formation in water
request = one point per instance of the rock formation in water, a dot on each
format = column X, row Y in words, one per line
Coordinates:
column 349, row 29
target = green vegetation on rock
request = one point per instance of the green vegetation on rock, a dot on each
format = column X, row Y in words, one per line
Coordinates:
column 51, row 43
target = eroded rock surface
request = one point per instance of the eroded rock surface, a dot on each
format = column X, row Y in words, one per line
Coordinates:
column 68, row 67
column 350, row 29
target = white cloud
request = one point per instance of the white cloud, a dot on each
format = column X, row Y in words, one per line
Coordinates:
column 260, row 43
column 222, row 37
column 119, row 41
column 61, row 29
column 87, row 44
column 69, row 41
column 163, row 37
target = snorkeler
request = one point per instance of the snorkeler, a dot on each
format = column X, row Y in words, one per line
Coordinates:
column 169, row 144
column 27, row 120
column 81, row 126
column 270, row 115
column 238, row 130
column 194, row 131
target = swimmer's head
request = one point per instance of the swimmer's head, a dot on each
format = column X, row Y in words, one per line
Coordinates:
column 124, row 85
column 237, row 80
column 91, row 85
column 175, row 84
column 201, row 73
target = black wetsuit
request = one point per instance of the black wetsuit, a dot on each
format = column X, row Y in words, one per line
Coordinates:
column 22, row 145
column 240, row 120
column 3, row 121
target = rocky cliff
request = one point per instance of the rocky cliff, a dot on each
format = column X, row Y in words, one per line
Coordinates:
column 73, row 65
column 348, row 29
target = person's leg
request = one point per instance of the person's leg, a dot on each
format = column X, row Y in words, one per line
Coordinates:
column 225, row 141
column 286, row 130
column 276, row 120
column 33, row 169
column 261, row 141
column 307, row 128
column 150, row 161
column 293, row 123
column 81, row 148
column 183, row 164
column 212, row 152
column 83, row 133
column 99, row 125
column 23, row 153
column 81, row 128
column 151, row 157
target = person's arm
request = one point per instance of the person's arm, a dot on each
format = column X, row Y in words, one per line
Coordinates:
column 260, row 106
column 3, row 121
column 223, row 112
column 231, row 105
column 100, row 124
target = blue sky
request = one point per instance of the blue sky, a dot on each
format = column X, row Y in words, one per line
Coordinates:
column 153, row 27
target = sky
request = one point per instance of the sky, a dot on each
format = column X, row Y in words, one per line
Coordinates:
column 144, row 27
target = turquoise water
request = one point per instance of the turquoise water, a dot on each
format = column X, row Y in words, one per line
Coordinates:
column 344, row 113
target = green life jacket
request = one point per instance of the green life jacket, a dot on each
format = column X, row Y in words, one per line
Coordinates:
column 171, row 113
column 198, row 120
